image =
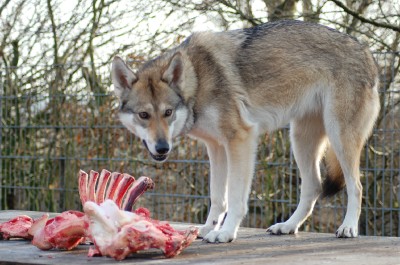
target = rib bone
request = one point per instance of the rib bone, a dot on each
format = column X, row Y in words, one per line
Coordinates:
column 123, row 189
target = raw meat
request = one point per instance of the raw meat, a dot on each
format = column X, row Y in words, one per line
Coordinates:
column 68, row 229
column 117, row 233
column 64, row 231
column 123, row 189
column 108, row 221
column 16, row 228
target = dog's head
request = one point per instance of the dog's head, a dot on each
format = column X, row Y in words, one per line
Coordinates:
column 151, row 103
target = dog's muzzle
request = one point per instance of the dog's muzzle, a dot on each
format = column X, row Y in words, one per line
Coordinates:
column 162, row 149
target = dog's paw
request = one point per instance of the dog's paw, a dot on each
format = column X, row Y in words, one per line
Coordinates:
column 220, row 236
column 347, row 231
column 282, row 229
column 204, row 230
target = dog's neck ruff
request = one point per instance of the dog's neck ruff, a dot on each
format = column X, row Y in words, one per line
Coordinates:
column 191, row 118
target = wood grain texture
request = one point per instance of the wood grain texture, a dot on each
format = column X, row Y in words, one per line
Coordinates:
column 253, row 246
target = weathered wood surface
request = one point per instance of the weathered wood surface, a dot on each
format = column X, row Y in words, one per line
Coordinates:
column 253, row 246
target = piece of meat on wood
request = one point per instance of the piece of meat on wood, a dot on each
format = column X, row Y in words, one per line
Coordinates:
column 128, row 232
column 117, row 233
column 16, row 227
column 65, row 231
column 123, row 189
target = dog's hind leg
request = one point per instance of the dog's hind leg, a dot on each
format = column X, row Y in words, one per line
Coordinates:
column 347, row 141
column 308, row 143
column 347, row 146
column 347, row 128
column 218, row 187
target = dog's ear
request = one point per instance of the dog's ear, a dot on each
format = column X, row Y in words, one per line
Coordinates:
column 122, row 77
column 173, row 73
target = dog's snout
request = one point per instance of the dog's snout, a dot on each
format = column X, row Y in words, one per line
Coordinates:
column 162, row 147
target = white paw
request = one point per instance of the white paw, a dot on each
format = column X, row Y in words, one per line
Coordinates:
column 282, row 229
column 347, row 231
column 204, row 230
column 220, row 236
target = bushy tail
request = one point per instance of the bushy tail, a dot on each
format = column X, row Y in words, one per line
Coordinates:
column 334, row 181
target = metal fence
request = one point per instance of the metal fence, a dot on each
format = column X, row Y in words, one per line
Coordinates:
column 58, row 119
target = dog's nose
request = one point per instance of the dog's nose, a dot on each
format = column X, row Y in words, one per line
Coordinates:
column 162, row 147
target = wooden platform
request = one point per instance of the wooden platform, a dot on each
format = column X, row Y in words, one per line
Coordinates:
column 253, row 246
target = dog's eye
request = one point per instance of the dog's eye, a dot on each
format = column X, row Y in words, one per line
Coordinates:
column 144, row 115
column 123, row 104
column 168, row 112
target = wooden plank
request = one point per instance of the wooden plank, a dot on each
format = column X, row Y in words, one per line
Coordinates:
column 7, row 215
column 253, row 246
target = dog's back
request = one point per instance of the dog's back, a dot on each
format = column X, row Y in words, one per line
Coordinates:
column 282, row 68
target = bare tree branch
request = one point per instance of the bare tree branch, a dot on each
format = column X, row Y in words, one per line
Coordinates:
column 363, row 19
column 4, row 5
column 253, row 21
column 54, row 31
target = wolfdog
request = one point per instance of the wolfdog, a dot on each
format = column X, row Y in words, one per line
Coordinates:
column 227, row 88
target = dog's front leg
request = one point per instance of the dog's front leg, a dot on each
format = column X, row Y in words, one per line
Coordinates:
column 218, row 187
column 241, row 160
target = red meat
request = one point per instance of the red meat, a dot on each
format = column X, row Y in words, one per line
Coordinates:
column 123, row 189
column 16, row 228
column 64, row 231
column 108, row 221
column 117, row 233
